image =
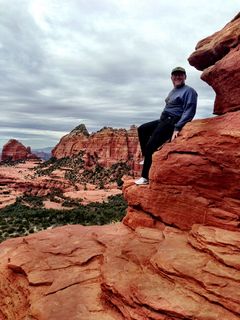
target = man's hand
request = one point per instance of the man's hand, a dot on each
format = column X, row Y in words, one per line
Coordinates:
column 174, row 135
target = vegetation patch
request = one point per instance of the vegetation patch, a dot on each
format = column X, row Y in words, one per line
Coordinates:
column 76, row 172
column 11, row 163
column 20, row 219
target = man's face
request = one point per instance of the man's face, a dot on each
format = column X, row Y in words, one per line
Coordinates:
column 178, row 79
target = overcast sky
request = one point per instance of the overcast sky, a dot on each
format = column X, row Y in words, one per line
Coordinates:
column 97, row 62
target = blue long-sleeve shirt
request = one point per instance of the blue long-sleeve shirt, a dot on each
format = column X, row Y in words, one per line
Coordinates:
column 182, row 102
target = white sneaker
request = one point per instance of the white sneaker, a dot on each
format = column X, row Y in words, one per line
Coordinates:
column 141, row 181
column 141, row 162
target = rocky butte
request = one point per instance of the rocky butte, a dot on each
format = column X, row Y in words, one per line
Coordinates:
column 107, row 146
column 14, row 150
column 176, row 253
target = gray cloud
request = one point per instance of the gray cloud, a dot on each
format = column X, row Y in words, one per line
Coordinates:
column 102, row 63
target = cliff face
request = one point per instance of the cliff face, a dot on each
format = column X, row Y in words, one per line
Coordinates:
column 107, row 146
column 176, row 254
column 14, row 150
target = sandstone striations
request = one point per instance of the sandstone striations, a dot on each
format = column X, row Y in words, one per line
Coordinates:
column 196, row 177
column 113, row 273
column 219, row 57
column 14, row 150
column 107, row 146
column 175, row 256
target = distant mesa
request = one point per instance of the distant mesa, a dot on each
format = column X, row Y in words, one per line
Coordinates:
column 43, row 153
column 14, row 150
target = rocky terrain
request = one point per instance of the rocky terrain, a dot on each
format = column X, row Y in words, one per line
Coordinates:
column 55, row 183
column 176, row 253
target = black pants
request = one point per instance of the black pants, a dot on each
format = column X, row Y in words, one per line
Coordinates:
column 154, row 134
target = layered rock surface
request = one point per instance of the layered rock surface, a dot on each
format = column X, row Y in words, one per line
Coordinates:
column 195, row 179
column 14, row 150
column 107, row 146
column 113, row 272
column 175, row 255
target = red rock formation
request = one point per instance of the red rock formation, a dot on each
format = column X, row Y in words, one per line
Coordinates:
column 196, row 177
column 113, row 273
column 175, row 256
column 108, row 146
column 71, row 143
column 14, row 150
column 219, row 57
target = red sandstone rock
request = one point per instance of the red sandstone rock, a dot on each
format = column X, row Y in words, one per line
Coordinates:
column 112, row 272
column 72, row 143
column 219, row 57
column 107, row 146
column 14, row 150
column 227, row 92
column 195, row 179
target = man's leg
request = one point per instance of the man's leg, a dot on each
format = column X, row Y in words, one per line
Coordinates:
column 161, row 134
column 144, row 133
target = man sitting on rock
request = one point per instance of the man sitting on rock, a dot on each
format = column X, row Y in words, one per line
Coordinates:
column 180, row 108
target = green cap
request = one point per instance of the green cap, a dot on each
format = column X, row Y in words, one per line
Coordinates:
column 178, row 69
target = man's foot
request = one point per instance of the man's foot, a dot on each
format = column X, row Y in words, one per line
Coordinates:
column 141, row 162
column 141, row 181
